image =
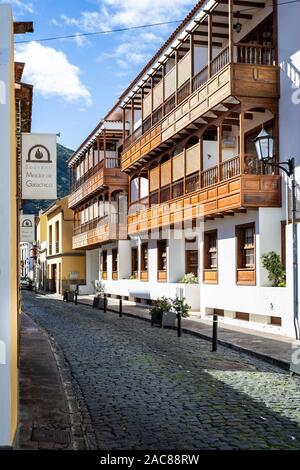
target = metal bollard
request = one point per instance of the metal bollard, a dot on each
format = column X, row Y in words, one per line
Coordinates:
column 179, row 326
column 76, row 299
column 120, row 308
column 215, row 333
column 105, row 304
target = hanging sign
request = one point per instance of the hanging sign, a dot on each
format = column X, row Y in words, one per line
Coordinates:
column 27, row 228
column 39, row 161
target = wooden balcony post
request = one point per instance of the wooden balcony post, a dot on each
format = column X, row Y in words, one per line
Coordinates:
column 98, row 146
column 230, row 29
column 176, row 74
column 192, row 52
column 242, row 142
column 104, row 148
column 209, row 46
column 132, row 116
column 124, row 130
column 152, row 86
column 142, row 107
column 220, row 152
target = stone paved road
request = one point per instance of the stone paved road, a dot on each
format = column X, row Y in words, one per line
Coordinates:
column 147, row 389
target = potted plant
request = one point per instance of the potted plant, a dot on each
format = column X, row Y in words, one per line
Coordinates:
column 181, row 306
column 161, row 306
column 100, row 299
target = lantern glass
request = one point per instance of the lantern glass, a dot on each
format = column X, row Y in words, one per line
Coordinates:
column 264, row 144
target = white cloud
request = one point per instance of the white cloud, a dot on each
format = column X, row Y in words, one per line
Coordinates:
column 23, row 7
column 51, row 73
column 137, row 46
column 127, row 13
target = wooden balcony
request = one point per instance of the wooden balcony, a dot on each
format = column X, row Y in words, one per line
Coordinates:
column 252, row 75
column 209, row 197
column 93, row 234
column 95, row 179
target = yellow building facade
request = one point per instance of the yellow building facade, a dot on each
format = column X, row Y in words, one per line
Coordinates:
column 61, row 266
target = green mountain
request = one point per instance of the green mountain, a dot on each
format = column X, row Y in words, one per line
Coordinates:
column 63, row 154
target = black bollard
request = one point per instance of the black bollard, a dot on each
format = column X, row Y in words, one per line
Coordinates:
column 179, row 326
column 105, row 304
column 215, row 333
column 120, row 308
column 76, row 300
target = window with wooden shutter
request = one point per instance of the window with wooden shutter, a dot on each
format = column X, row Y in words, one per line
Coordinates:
column 210, row 271
column 245, row 241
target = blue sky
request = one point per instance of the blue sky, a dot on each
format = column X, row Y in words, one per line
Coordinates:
column 78, row 80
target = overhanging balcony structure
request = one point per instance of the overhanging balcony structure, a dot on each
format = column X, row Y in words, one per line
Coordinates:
column 98, row 188
column 96, row 164
column 194, row 114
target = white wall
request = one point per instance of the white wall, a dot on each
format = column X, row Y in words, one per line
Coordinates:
column 260, row 300
column 5, row 271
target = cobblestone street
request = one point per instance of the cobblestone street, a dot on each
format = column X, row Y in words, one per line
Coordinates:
column 146, row 389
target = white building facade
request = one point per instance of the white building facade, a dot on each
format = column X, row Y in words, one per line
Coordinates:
column 189, row 122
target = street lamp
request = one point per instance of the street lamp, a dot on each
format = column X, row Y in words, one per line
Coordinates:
column 264, row 144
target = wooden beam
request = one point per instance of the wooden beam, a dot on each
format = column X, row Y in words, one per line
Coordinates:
column 215, row 24
column 243, row 3
column 243, row 16
column 216, row 35
column 209, row 48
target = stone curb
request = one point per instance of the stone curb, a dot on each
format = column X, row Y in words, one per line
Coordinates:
column 271, row 360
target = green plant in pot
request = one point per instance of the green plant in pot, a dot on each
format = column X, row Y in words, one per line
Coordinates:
column 276, row 273
column 180, row 305
column 100, row 299
column 160, row 306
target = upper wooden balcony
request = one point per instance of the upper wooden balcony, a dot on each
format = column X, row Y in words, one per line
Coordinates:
column 100, row 230
column 234, row 185
column 250, row 73
column 106, row 173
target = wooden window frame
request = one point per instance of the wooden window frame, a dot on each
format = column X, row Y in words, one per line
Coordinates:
column 210, row 275
column 104, row 264
column 162, row 274
column 144, row 268
column 114, row 263
column 245, row 276
column 134, row 261
column 187, row 261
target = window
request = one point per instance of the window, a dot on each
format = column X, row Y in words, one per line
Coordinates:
column 191, row 257
column 210, row 250
column 210, row 263
column 134, row 261
column 115, row 260
column 162, row 255
column 50, row 240
column 104, row 261
column 144, row 257
column 57, row 237
column 245, row 237
column 246, row 247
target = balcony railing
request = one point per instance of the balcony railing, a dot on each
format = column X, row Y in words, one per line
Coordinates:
column 57, row 247
column 110, row 162
column 201, row 180
column 50, row 249
column 255, row 54
column 111, row 219
column 243, row 54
